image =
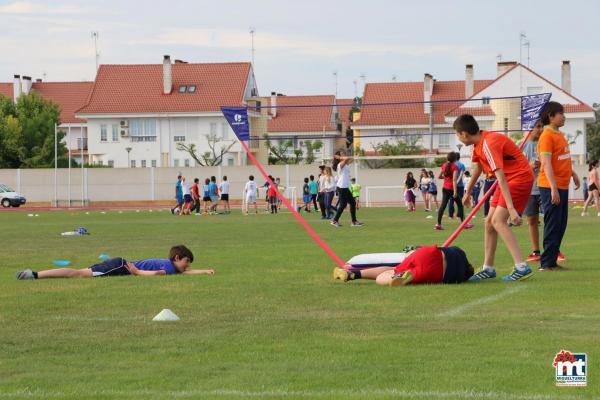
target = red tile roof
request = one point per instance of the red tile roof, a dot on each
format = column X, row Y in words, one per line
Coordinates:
column 311, row 114
column 139, row 88
column 476, row 111
column 411, row 93
column 70, row 96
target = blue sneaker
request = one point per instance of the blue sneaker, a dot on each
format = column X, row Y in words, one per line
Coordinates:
column 517, row 275
column 483, row 274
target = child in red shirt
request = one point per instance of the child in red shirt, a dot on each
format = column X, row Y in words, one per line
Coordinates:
column 272, row 196
column 496, row 153
column 427, row 264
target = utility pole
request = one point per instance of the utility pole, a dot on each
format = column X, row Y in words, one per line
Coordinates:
column 95, row 35
column 335, row 77
column 355, row 88
column 252, row 33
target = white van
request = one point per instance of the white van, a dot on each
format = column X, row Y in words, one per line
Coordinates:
column 10, row 198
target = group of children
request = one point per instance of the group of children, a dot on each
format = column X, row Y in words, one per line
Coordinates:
column 193, row 198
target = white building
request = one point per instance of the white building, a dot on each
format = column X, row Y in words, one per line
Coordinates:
column 137, row 114
column 431, row 123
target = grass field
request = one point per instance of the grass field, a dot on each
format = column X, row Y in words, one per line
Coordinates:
column 272, row 324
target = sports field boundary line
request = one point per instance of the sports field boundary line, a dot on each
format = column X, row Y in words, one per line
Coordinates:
column 362, row 393
column 456, row 311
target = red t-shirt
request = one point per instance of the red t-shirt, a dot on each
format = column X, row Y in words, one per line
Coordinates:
column 195, row 193
column 497, row 151
column 272, row 192
column 449, row 180
column 426, row 264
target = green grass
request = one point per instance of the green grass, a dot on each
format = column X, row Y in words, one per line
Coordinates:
column 272, row 324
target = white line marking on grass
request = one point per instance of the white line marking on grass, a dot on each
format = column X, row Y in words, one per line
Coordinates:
column 453, row 312
column 398, row 393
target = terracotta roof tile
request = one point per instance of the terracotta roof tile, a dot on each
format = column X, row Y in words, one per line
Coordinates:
column 139, row 88
column 303, row 114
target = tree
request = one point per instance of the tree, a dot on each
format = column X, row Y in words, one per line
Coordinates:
column 593, row 136
column 282, row 151
column 27, row 132
column 396, row 147
column 210, row 158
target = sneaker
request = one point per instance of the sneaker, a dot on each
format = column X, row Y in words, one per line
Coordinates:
column 469, row 226
column 357, row 223
column 555, row 268
column 438, row 227
column 24, row 275
column 341, row 274
column 401, row 279
column 483, row 274
column 335, row 223
column 561, row 257
column 534, row 257
column 584, row 214
column 517, row 275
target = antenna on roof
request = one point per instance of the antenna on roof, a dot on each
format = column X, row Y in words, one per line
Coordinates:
column 499, row 57
column 363, row 77
column 252, row 33
column 355, row 88
column 335, row 77
column 95, row 35
column 394, row 77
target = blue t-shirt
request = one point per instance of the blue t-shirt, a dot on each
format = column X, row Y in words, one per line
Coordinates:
column 461, row 171
column 156, row 264
column 206, row 190
column 313, row 187
column 178, row 189
column 212, row 189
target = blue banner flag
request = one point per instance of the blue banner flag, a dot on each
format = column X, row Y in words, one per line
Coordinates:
column 238, row 120
column 531, row 109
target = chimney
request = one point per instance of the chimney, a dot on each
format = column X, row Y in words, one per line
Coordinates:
column 26, row 85
column 167, row 77
column 16, row 87
column 565, row 81
column 469, row 81
column 427, row 92
column 504, row 66
column 274, row 104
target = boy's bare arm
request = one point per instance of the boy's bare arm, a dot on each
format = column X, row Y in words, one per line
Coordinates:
column 198, row 272
column 133, row 270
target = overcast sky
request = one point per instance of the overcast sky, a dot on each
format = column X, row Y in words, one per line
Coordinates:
column 299, row 44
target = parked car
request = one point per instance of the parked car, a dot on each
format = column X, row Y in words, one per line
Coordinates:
column 10, row 198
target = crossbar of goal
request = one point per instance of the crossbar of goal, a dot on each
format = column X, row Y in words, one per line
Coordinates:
column 289, row 193
column 369, row 197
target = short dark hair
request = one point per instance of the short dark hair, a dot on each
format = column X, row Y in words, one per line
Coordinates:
column 182, row 252
column 551, row 109
column 592, row 164
column 206, row 181
column 466, row 123
column 305, row 180
column 213, row 179
column 196, row 180
column 312, row 177
column 224, row 177
column 251, row 177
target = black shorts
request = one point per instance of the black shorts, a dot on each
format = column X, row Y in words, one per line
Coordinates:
column 225, row 197
column 187, row 198
column 533, row 206
column 457, row 265
column 112, row 267
column 592, row 187
column 206, row 198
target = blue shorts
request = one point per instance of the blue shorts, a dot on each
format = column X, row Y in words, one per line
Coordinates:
column 112, row 267
column 179, row 199
column 457, row 265
column 306, row 198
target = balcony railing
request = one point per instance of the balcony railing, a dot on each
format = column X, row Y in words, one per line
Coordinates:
column 82, row 143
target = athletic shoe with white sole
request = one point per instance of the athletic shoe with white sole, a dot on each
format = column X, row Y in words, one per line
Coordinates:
column 335, row 223
column 357, row 223
column 25, row 275
column 341, row 274
column 483, row 274
column 517, row 275
column 561, row 257
column 401, row 279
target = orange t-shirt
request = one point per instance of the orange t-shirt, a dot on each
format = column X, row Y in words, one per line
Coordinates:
column 553, row 143
column 496, row 151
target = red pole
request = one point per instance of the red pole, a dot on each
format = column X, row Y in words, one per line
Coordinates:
column 487, row 194
column 310, row 231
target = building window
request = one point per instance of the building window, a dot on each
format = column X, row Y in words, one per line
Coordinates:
column 444, row 141
column 179, row 138
column 192, row 89
column 132, row 163
column 213, row 128
column 143, row 163
column 100, row 163
column 225, row 130
column 506, row 124
column 111, row 163
column 485, row 101
column 153, row 163
column 115, row 133
column 186, row 162
column 182, row 88
column 230, row 161
column 103, row 137
column 176, row 162
column 142, row 130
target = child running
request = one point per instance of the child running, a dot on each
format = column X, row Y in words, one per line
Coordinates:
column 180, row 258
column 341, row 164
column 427, row 264
column 497, row 153
column 592, row 188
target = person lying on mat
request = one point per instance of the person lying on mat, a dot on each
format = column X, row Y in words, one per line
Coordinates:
column 180, row 258
column 427, row 264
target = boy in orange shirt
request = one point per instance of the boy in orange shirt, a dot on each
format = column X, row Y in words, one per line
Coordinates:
column 496, row 153
column 554, row 179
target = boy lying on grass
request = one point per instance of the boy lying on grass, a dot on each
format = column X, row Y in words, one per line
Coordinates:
column 180, row 258
column 427, row 264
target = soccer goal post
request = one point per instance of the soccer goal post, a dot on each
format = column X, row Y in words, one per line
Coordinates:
column 382, row 196
column 290, row 194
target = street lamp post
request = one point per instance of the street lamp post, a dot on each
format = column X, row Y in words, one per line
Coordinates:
column 128, row 161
